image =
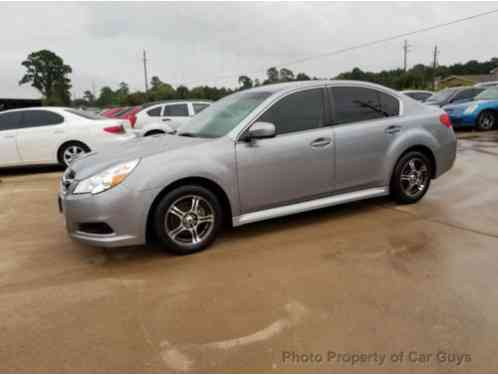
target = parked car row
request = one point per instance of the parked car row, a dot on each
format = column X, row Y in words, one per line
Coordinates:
column 468, row 106
column 158, row 117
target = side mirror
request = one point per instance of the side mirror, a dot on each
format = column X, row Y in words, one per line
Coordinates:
column 260, row 130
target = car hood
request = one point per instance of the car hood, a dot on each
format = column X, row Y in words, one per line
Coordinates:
column 137, row 148
column 461, row 106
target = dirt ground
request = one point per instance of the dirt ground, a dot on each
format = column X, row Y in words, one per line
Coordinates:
column 364, row 286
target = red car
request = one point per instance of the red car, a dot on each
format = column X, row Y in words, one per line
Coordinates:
column 111, row 112
column 129, row 114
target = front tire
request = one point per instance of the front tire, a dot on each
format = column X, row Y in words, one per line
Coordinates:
column 70, row 152
column 411, row 178
column 486, row 121
column 188, row 219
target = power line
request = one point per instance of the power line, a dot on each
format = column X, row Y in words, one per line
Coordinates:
column 366, row 44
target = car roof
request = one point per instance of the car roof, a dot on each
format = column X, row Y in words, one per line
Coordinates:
column 289, row 86
column 171, row 101
column 417, row 91
column 55, row 109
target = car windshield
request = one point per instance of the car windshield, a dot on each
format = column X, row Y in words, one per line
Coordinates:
column 221, row 117
column 85, row 114
column 441, row 96
column 488, row 94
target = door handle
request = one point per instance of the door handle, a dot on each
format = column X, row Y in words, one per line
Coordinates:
column 166, row 119
column 393, row 129
column 321, row 142
column 10, row 136
column 59, row 132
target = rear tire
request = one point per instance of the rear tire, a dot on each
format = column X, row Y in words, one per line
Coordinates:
column 486, row 121
column 411, row 178
column 70, row 151
column 188, row 219
column 154, row 132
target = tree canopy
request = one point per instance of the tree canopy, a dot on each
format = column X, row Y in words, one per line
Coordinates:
column 418, row 77
column 47, row 73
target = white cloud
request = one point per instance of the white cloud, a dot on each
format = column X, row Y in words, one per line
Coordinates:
column 197, row 43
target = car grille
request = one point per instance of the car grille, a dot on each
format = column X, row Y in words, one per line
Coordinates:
column 67, row 180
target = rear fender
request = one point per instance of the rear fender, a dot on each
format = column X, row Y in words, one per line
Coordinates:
column 407, row 139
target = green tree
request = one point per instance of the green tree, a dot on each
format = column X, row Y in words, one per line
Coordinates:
column 47, row 73
column 107, row 97
column 286, row 75
column 302, row 77
column 155, row 83
column 89, row 97
column 273, row 75
column 182, row 92
column 245, row 82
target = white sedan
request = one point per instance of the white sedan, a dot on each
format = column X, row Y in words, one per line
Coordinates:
column 166, row 117
column 55, row 135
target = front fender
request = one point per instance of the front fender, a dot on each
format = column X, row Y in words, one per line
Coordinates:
column 158, row 174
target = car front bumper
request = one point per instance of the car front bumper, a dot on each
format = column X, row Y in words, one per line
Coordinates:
column 123, row 211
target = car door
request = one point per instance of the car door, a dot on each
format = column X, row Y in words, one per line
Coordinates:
column 295, row 165
column 176, row 115
column 365, row 123
column 9, row 122
column 39, row 136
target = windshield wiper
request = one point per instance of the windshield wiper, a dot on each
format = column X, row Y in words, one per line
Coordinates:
column 372, row 107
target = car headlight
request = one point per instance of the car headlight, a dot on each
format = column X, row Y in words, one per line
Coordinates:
column 471, row 109
column 107, row 179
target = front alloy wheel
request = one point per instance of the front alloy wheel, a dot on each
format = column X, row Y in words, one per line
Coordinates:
column 188, row 219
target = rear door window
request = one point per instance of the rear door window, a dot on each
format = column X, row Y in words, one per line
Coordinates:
column 355, row 104
column 176, row 110
column 10, row 120
column 38, row 118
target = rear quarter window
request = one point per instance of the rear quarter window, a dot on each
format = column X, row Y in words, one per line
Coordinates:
column 154, row 112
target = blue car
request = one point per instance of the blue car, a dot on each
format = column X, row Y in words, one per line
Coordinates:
column 481, row 113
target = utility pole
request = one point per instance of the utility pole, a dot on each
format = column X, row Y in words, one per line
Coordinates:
column 406, row 49
column 434, row 66
column 145, row 73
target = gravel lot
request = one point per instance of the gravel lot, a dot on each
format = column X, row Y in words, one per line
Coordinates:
column 416, row 284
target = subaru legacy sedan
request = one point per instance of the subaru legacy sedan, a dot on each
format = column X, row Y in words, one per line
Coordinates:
column 258, row 154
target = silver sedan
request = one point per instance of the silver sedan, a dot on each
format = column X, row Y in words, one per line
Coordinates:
column 258, row 154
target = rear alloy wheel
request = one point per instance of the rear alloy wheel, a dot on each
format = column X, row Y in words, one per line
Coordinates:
column 411, row 178
column 486, row 121
column 71, row 152
column 188, row 219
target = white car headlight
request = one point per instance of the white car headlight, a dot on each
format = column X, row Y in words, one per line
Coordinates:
column 471, row 109
column 107, row 179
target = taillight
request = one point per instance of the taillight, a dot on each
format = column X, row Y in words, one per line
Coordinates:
column 445, row 120
column 133, row 120
column 118, row 129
